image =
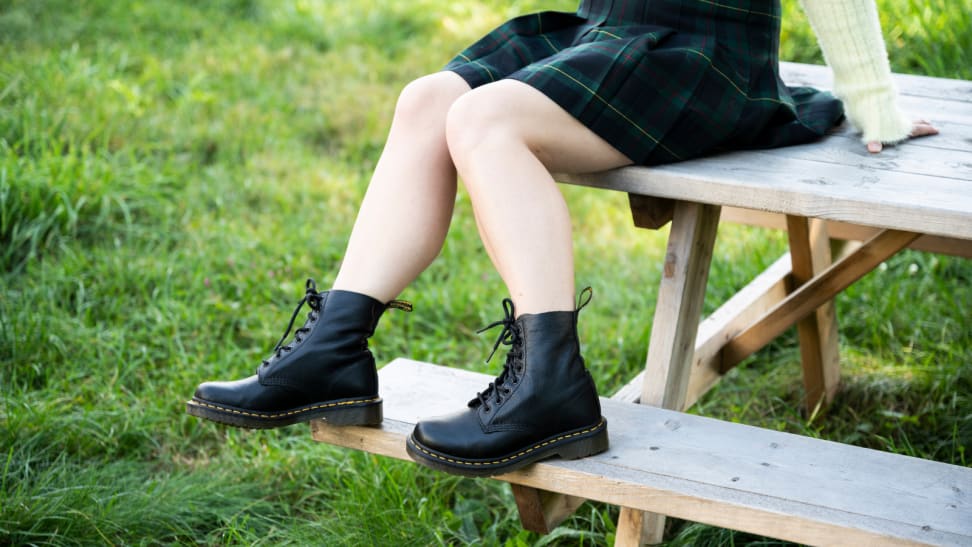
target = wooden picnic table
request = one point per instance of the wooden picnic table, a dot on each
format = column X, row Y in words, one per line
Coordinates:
column 816, row 492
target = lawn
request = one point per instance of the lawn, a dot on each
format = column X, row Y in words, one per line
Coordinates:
column 172, row 172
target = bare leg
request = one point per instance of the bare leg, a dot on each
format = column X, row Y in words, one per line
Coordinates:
column 326, row 370
column 505, row 138
column 406, row 211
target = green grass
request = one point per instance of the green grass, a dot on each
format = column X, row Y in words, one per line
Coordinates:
column 170, row 172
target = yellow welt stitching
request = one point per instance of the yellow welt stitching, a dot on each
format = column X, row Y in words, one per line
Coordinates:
column 283, row 414
column 520, row 455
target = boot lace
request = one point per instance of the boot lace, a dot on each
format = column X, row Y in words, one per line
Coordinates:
column 512, row 369
column 313, row 299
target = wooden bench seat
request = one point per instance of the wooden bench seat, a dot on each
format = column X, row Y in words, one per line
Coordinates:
column 730, row 475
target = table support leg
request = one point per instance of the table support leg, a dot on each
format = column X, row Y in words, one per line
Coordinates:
column 541, row 511
column 673, row 332
column 820, row 353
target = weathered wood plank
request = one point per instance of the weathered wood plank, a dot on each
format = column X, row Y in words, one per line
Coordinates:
column 952, row 138
column 636, row 528
column 679, row 305
column 908, row 84
column 730, row 475
column 917, row 160
column 937, row 110
column 755, row 180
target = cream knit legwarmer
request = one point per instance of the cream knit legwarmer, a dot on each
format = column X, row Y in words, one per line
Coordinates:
column 849, row 33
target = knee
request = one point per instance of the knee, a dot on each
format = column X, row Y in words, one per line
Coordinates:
column 429, row 97
column 479, row 122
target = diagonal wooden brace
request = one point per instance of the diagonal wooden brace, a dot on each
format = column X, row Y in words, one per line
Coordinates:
column 814, row 293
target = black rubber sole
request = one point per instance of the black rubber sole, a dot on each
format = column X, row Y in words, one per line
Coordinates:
column 342, row 412
column 572, row 445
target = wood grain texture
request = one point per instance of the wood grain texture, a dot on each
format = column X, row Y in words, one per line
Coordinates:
column 677, row 314
column 908, row 84
column 730, row 475
column 529, row 504
column 781, row 184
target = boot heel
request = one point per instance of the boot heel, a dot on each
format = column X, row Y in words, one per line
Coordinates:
column 588, row 446
column 360, row 415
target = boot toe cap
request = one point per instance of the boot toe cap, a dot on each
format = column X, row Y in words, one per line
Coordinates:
column 221, row 392
column 449, row 434
column 248, row 394
column 462, row 435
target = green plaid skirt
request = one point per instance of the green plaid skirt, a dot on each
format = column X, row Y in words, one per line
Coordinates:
column 661, row 80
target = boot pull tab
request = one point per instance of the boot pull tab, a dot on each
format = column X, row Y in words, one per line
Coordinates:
column 399, row 305
column 582, row 302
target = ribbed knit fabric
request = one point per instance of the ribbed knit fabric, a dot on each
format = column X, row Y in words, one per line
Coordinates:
column 849, row 33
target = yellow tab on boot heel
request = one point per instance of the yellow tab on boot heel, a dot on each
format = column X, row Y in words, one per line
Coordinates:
column 400, row 305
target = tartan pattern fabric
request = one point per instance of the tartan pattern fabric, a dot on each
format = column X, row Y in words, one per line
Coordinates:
column 661, row 80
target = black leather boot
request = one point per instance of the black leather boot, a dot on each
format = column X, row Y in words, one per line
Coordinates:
column 326, row 371
column 544, row 403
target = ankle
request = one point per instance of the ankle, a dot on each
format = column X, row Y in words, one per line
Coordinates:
column 362, row 290
column 526, row 306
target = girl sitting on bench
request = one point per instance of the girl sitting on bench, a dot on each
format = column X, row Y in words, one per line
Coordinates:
column 618, row 82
